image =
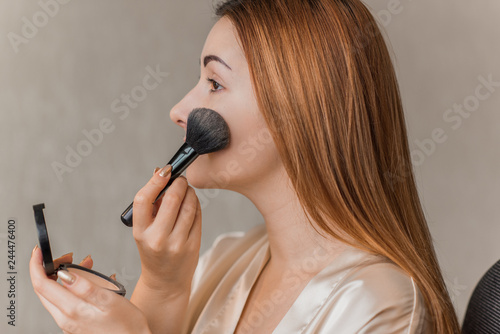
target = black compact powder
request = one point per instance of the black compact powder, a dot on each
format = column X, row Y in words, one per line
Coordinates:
column 93, row 276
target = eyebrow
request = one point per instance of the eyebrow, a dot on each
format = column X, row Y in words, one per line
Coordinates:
column 210, row 58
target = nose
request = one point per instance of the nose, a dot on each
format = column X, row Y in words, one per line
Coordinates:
column 180, row 112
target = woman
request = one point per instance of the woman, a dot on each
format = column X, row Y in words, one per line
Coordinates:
column 319, row 145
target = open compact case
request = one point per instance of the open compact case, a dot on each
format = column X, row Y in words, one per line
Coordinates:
column 93, row 276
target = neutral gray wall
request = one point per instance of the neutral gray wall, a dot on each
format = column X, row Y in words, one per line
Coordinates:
column 64, row 79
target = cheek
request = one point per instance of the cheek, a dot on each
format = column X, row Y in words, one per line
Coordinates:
column 250, row 154
column 220, row 169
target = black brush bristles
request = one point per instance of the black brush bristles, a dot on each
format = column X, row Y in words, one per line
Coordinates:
column 207, row 131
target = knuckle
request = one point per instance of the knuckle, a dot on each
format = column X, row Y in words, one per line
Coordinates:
column 71, row 313
column 157, row 182
column 172, row 199
column 38, row 286
column 103, row 298
column 140, row 198
column 136, row 234
column 175, row 249
column 87, row 291
column 156, row 247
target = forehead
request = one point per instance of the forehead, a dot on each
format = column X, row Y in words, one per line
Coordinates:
column 223, row 42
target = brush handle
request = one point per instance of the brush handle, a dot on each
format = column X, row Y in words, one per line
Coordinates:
column 179, row 162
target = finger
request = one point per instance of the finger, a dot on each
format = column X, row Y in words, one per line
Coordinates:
column 55, row 294
column 66, row 258
column 61, row 319
column 54, row 311
column 143, row 201
column 195, row 232
column 186, row 215
column 87, row 262
column 156, row 206
column 89, row 292
column 170, row 206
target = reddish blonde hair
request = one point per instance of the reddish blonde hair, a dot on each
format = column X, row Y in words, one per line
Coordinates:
column 325, row 84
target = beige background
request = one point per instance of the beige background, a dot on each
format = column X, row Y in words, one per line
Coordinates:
column 64, row 79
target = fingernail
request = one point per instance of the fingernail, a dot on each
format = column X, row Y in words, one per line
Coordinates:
column 156, row 169
column 165, row 171
column 86, row 257
column 113, row 276
column 66, row 276
column 70, row 253
column 34, row 249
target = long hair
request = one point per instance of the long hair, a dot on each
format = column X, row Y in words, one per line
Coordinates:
column 325, row 84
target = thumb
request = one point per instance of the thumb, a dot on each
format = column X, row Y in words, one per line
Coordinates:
column 87, row 290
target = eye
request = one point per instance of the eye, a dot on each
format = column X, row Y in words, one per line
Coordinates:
column 215, row 85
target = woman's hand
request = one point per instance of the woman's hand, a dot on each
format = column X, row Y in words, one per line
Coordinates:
column 87, row 262
column 81, row 306
column 167, row 233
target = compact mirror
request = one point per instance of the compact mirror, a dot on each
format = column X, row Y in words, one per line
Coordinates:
column 93, row 276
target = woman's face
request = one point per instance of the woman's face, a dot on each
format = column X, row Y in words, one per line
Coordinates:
column 225, row 87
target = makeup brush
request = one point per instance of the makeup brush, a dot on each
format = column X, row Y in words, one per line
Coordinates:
column 206, row 132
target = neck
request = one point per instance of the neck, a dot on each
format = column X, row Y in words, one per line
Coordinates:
column 293, row 241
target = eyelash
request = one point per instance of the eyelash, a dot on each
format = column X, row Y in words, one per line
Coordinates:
column 212, row 82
